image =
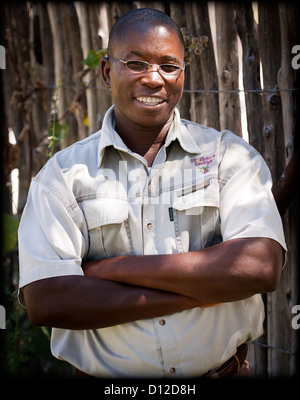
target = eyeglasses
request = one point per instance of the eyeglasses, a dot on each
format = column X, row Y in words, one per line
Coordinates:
column 167, row 70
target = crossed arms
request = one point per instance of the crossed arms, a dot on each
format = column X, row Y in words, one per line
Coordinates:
column 128, row 288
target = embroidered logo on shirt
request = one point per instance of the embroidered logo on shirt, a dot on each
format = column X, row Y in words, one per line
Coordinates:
column 204, row 162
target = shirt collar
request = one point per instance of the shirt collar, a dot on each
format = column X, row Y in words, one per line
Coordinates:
column 109, row 136
column 179, row 131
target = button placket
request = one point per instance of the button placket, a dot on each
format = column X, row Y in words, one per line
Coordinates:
column 149, row 229
column 168, row 346
column 149, row 226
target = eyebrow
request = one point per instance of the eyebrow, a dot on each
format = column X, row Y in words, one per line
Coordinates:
column 167, row 57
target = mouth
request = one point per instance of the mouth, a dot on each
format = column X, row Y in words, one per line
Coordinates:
column 150, row 101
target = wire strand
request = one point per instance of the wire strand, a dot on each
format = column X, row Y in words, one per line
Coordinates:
column 288, row 351
column 258, row 91
column 203, row 91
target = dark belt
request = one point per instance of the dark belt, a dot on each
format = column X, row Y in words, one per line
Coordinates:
column 227, row 370
column 232, row 366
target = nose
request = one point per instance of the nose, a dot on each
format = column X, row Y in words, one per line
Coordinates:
column 152, row 77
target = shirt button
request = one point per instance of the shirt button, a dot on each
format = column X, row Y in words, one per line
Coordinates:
column 162, row 322
column 149, row 226
column 172, row 370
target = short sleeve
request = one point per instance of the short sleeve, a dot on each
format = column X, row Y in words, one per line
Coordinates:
column 50, row 241
column 247, row 205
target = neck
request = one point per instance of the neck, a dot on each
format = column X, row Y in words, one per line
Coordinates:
column 144, row 140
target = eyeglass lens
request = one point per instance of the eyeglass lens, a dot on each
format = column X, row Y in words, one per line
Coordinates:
column 142, row 66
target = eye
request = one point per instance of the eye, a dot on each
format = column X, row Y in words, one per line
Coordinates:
column 169, row 68
column 137, row 65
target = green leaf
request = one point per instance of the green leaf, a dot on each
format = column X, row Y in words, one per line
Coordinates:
column 94, row 57
column 10, row 232
column 57, row 131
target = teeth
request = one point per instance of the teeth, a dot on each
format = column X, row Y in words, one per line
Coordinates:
column 150, row 101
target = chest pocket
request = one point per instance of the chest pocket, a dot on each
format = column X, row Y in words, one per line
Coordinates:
column 108, row 228
column 196, row 216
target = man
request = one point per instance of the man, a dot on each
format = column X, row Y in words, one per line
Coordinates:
column 147, row 244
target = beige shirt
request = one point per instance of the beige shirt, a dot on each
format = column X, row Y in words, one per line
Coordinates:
column 97, row 199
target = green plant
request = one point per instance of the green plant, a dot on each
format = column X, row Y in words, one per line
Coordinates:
column 26, row 348
column 57, row 131
column 93, row 58
column 10, row 225
column 193, row 45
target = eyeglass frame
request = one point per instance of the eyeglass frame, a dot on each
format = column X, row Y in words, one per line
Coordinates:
column 148, row 66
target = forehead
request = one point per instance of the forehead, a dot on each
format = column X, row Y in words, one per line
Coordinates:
column 150, row 38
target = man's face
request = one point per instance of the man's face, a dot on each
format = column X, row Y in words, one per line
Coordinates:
column 134, row 94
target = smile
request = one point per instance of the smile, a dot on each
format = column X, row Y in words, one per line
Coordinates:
column 150, row 101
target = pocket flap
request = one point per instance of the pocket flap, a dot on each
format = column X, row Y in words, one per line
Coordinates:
column 104, row 211
column 201, row 194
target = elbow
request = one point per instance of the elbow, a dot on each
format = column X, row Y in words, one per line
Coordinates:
column 35, row 318
column 271, row 281
column 271, row 276
column 271, row 263
column 35, row 315
column 42, row 316
column 37, row 311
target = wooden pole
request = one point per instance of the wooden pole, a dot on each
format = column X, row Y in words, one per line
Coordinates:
column 247, row 30
column 227, row 47
column 206, row 64
column 278, row 313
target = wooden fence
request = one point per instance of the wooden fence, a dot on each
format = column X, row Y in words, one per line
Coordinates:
column 239, row 77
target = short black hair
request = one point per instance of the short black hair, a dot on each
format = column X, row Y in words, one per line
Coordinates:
column 147, row 15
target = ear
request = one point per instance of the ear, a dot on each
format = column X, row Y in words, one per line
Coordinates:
column 105, row 72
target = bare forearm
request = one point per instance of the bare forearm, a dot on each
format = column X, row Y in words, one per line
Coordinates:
column 230, row 271
column 76, row 302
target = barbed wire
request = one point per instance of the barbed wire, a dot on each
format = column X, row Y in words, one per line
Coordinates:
column 285, row 351
column 185, row 90
column 258, row 91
